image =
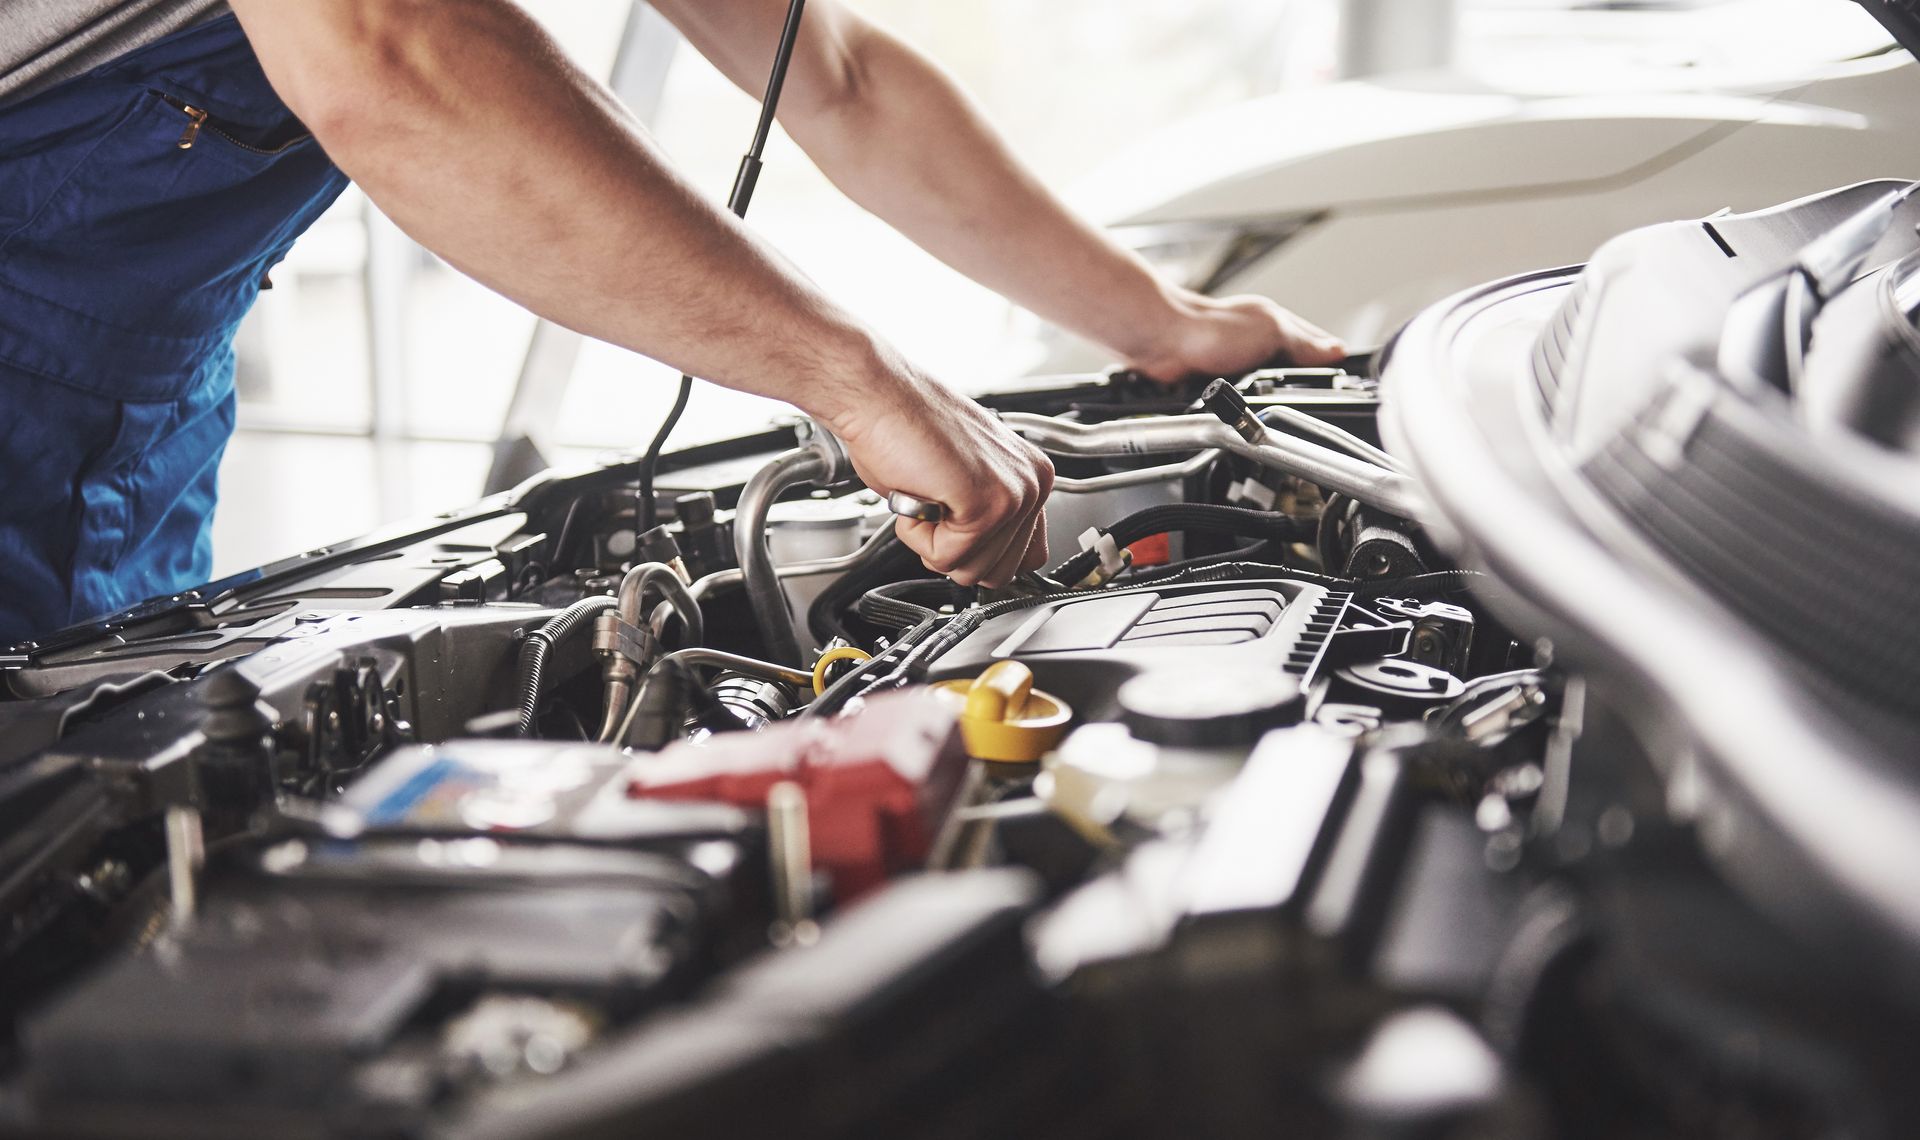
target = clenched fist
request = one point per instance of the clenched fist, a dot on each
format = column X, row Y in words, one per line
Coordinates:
column 916, row 435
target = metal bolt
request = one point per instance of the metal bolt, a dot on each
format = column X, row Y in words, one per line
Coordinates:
column 186, row 851
column 790, row 849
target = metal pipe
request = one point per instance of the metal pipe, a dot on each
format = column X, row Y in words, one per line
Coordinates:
column 698, row 658
column 1334, row 434
column 701, row 657
column 707, row 585
column 664, row 578
column 622, row 674
column 1391, row 491
column 719, row 580
column 618, row 693
column 1335, row 471
column 792, row 469
column 1119, row 480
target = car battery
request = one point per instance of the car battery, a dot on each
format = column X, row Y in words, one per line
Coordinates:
column 529, row 790
column 468, row 913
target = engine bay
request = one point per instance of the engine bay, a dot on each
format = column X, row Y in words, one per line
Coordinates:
column 1272, row 804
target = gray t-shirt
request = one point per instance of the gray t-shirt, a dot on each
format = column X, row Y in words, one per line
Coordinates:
column 45, row 41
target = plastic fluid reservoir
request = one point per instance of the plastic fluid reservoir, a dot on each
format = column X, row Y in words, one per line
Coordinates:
column 1182, row 735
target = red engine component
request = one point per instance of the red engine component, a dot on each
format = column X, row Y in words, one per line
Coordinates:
column 879, row 783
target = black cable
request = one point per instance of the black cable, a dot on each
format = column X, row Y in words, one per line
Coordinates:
column 909, row 654
column 650, row 462
column 1333, row 516
column 1172, row 517
column 886, row 563
column 530, row 669
column 558, row 558
column 1414, row 587
column 1260, row 551
column 744, row 180
column 1422, row 587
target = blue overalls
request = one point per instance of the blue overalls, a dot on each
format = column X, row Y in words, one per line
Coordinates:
column 141, row 206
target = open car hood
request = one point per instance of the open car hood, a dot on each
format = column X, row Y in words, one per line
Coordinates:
column 1902, row 18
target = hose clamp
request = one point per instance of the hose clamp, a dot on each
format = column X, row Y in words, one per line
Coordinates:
column 615, row 637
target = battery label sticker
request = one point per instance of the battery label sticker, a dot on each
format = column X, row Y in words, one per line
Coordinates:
column 430, row 796
column 479, row 787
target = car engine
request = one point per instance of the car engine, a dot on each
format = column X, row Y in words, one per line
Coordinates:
column 1503, row 734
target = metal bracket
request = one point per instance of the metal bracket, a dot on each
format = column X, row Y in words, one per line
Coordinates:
column 613, row 636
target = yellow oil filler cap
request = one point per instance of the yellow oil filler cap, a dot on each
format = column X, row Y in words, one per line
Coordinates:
column 1005, row 719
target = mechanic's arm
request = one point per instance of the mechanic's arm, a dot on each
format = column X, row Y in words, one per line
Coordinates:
column 894, row 132
column 467, row 125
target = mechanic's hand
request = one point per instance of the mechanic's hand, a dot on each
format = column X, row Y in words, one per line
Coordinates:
column 923, row 438
column 1225, row 336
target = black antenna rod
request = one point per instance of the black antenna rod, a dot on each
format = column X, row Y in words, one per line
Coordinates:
column 744, row 181
column 749, row 174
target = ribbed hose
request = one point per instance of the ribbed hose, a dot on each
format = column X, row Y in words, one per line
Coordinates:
column 885, row 562
column 1179, row 517
column 531, row 667
column 889, row 605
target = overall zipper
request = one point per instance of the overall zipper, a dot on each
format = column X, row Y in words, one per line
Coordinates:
column 196, row 118
column 197, row 121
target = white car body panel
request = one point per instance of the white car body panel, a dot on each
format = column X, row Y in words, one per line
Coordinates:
column 1424, row 185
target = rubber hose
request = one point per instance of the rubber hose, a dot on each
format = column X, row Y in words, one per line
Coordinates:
column 531, row 667
column 886, row 605
column 885, row 563
column 1327, row 535
column 764, row 593
column 1252, row 552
